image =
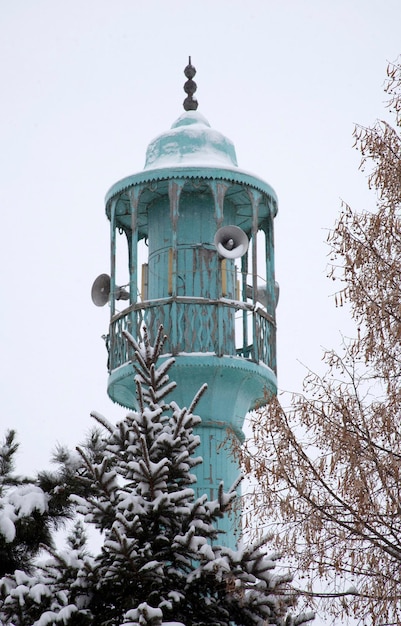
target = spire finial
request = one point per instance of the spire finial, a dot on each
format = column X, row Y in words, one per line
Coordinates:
column 190, row 103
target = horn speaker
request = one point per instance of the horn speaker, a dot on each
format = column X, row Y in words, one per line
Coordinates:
column 231, row 242
column 101, row 291
column 261, row 295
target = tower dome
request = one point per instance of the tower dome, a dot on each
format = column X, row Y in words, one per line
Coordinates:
column 190, row 142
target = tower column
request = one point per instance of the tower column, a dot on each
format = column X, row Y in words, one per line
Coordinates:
column 174, row 192
column 133, row 251
column 113, row 257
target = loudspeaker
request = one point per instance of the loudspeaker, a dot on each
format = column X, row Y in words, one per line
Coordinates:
column 276, row 292
column 231, row 242
column 100, row 292
column 261, row 295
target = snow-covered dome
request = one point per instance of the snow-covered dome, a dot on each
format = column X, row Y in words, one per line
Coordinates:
column 190, row 142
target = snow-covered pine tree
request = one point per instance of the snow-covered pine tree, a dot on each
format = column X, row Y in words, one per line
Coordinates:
column 25, row 519
column 56, row 590
column 32, row 508
column 160, row 562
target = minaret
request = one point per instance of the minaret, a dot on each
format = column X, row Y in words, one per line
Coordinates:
column 196, row 275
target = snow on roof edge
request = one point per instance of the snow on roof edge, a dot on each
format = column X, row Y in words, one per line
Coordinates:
column 194, row 170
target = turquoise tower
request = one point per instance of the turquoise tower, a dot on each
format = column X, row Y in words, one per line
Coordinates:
column 183, row 224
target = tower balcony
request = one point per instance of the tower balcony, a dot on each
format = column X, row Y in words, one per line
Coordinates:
column 221, row 335
column 196, row 325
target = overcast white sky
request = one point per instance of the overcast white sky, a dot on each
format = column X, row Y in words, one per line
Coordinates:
column 86, row 84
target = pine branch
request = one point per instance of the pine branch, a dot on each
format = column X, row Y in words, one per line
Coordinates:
column 103, row 421
column 8, row 450
column 197, row 398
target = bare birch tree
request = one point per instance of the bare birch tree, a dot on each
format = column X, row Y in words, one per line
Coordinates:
column 328, row 468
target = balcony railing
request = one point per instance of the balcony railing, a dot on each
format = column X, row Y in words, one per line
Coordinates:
column 193, row 325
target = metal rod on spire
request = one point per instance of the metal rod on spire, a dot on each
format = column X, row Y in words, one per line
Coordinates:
column 190, row 103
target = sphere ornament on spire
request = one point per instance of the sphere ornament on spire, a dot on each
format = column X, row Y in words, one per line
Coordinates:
column 190, row 103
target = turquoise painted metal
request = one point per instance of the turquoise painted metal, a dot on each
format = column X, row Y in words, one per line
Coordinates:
column 209, row 306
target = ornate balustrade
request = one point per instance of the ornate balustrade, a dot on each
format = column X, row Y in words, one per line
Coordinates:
column 221, row 327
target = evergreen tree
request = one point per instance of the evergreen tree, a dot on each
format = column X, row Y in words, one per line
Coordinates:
column 160, row 562
column 54, row 593
column 32, row 508
column 25, row 521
